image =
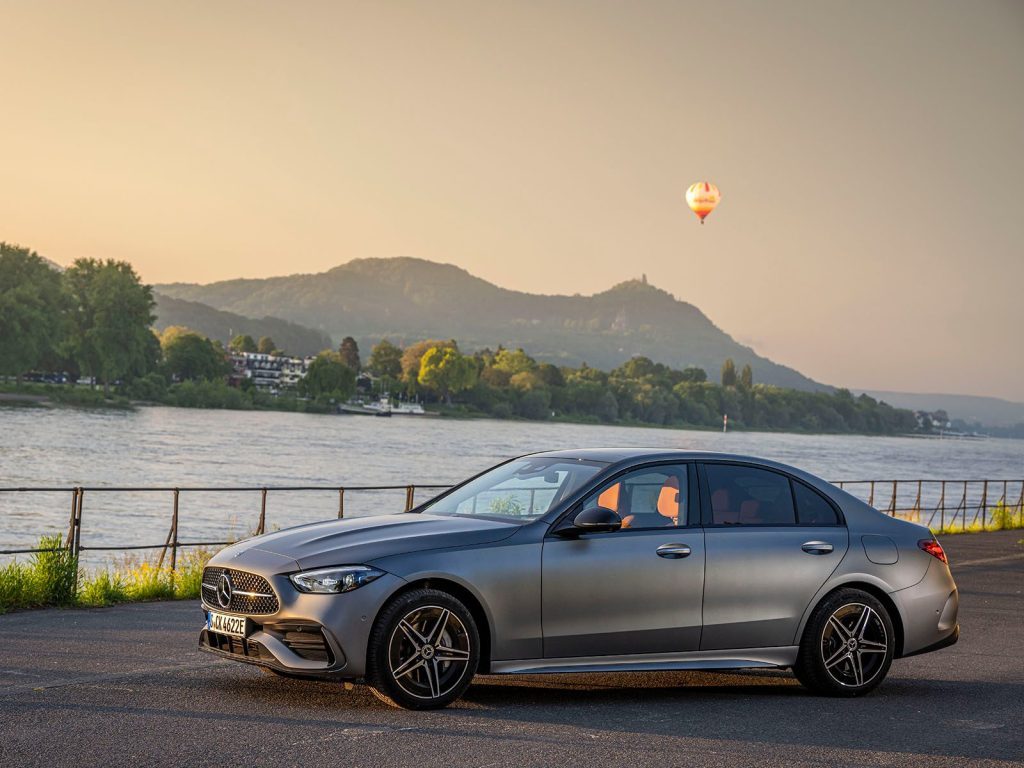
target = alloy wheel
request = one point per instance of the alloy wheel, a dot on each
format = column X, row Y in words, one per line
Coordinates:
column 429, row 652
column 854, row 644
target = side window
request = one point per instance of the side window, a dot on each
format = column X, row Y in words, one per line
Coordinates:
column 749, row 496
column 812, row 508
column 653, row 497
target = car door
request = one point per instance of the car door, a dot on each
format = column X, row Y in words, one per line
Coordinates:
column 636, row 590
column 764, row 563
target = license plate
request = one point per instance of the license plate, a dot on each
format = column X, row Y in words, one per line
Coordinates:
column 224, row 624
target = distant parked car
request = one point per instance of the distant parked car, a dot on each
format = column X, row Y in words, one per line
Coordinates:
column 590, row 561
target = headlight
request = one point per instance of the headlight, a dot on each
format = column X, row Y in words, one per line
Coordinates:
column 344, row 578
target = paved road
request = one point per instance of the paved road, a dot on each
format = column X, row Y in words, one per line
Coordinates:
column 125, row 686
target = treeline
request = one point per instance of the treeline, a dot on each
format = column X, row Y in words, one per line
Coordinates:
column 506, row 383
column 94, row 319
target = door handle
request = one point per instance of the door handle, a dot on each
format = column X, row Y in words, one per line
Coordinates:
column 816, row 547
column 673, row 551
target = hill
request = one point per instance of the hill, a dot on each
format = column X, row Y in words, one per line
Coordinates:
column 408, row 299
column 221, row 325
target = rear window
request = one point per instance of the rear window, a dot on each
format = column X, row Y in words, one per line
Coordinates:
column 749, row 496
column 812, row 508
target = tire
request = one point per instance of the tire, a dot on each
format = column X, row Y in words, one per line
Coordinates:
column 423, row 651
column 847, row 646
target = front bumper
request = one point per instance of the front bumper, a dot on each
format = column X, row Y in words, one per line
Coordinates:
column 310, row 634
column 300, row 648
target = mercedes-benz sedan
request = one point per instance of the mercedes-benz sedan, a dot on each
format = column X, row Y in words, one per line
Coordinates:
column 590, row 561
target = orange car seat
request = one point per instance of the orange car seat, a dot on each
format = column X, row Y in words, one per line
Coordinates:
column 720, row 508
column 668, row 507
column 609, row 498
column 750, row 512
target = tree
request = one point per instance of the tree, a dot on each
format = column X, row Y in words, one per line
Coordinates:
column 550, row 375
column 31, row 310
column 446, row 371
column 328, row 377
column 111, row 312
column 243, row 343
column 728, row 373
column 385, row 360
column 513, row 362
column 189, row 355
column 349, row 353
column 693, row 373
column 413, row 355
column 747, row 377
column 266, row 346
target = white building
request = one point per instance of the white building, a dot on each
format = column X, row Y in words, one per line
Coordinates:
column 270, row 373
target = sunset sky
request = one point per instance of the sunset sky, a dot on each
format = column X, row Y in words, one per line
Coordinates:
column 870, row 157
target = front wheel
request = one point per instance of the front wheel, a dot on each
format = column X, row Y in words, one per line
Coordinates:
column 848, row 645
column 423, row 651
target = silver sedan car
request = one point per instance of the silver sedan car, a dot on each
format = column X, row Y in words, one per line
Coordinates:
column 590, row 561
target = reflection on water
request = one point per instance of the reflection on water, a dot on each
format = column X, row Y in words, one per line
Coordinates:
column 182, row 447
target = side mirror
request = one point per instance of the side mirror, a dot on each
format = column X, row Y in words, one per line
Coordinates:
column 597, row 520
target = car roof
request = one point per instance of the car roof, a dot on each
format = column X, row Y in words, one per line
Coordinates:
column 615, row 455
column 637, row 455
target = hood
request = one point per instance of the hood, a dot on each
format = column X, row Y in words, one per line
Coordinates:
column 362, row 540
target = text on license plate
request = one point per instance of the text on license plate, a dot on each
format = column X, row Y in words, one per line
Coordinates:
column 226, row 625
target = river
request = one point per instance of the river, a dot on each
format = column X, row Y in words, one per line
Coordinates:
column 64, row 447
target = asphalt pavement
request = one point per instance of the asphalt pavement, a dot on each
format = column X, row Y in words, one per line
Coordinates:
column 126, row 686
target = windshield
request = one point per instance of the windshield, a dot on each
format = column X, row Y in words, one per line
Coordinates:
column 521, row 490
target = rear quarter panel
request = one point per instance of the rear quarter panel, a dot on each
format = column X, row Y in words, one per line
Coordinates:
column 890, row 577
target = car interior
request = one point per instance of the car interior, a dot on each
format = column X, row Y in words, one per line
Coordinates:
column 649, row 500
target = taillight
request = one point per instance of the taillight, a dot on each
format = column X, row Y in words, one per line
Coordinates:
column 933, row 548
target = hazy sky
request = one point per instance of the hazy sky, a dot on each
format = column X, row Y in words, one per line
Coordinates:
column 870, row 157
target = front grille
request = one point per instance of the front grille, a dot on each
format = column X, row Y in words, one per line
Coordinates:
column 250, row 594
column 236, row 646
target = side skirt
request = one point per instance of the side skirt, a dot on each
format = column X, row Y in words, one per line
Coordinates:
column 746, row 658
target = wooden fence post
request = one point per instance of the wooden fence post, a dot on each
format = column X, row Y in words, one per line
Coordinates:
column 77, row 540
column 70, row 539
column 942, row 506
column 341, row 503
column 174, row 533
column 261, row 527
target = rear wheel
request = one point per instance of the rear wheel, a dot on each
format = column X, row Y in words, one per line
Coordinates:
column 423, row 651
column 848, row 645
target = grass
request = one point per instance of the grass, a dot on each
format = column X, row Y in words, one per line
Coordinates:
column 1003, row 517
column 54, row 579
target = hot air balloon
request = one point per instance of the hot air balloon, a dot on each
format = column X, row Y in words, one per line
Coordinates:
column 702, row 198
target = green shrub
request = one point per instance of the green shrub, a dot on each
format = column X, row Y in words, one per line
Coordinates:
column 188, row 578
column 104, row 588
column 152, row 387
column 145, row 581
column 15, row 586
column 54, row 572
column 1003, row 518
